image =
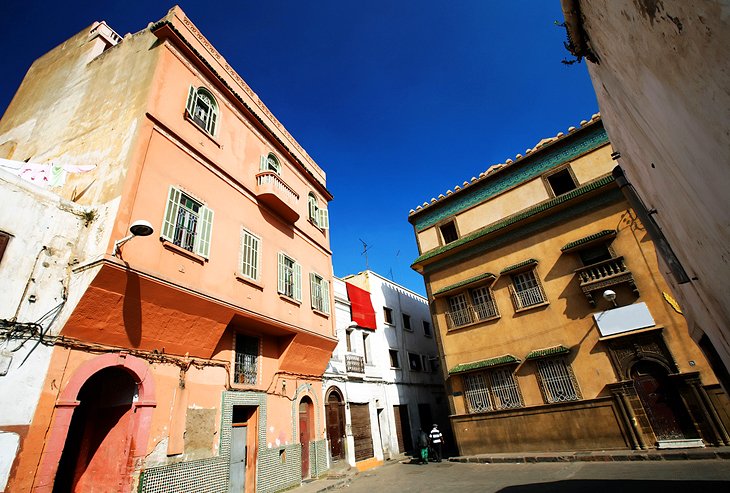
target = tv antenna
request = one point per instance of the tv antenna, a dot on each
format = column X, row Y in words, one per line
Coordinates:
column 365, row 249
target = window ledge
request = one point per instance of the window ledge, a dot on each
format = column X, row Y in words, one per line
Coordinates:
column 289, row 299
column 321, row 313
column 532, row 307
column 478, row 322
column 201, row 130
column 247, row 280
column 181, row 251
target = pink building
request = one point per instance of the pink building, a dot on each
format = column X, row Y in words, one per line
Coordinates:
column 193, row 356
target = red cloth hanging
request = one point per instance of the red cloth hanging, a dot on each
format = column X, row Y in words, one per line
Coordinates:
column 362, row 308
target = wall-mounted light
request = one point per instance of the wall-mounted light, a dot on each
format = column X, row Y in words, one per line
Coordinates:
column 610, row 295
column 138, row 228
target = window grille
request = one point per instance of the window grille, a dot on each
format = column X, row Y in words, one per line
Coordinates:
column 491, row 390
column 247, row 353
column 187, row 223
column 483, row 303
column 504, row 389
column 526, row 290
column 459, row 311
column 250, row 254
column 476, row 392
column 557, row 380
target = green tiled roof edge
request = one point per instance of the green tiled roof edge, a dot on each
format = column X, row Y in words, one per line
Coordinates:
column 518, row 265
column 517, row 217
column 551, row 351
column 486, row 275
column 595, row 236
column 486, row 363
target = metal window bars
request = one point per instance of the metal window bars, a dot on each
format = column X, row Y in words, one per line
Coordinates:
column 557, row 380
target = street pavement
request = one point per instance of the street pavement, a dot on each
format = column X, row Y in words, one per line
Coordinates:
column 705, row 476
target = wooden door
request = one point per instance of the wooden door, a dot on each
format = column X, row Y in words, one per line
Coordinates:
column 402, row 427
column 305, row 433
column 361, row 431
column 336, row 426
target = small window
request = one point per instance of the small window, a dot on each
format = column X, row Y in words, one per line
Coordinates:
column 557, row 380
column 319, row 216
column 424, row 362
column 250, row 254
column 312, row 207
column 471, row 306
column 290, row 277
column 448, row 232
column 348, row 340
column 426, row 329
column 320, row 291
column 407, row 322
column 595, row 254
column 187, row 223
column 414, row 362
column 491, row 390
column 561, row 182
column 394, row 362
column 365, row 351
column 388, row 314
column 202, row 109
column 270, row 163
column 526, row 290
column 4, row 239
column 247, row 353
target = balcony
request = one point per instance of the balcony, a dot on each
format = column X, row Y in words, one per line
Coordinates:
column 472, row 313
column 354, row 363
column 527, row 298
column 604, row 274
column 275, row 193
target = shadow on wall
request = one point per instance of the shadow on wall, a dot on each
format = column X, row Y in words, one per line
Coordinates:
column 132, row 309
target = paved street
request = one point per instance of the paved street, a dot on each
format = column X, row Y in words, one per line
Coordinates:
column 703, row 475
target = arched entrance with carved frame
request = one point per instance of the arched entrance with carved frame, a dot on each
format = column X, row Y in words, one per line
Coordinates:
column 335, row 418
column 132, row 420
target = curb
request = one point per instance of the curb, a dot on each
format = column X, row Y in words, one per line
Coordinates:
column 617, row 456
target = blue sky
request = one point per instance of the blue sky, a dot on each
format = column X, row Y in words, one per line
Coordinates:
column 396, row 100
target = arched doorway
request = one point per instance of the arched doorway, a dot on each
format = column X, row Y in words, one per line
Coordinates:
column 115, row 385
column 667, row 415
column 306, row 429
column 96, row 453
column 335, row 410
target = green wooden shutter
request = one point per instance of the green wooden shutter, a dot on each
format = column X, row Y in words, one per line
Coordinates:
column 262, row 164
column 297, row 281
column 203, row 232
column 190, row 105
column 325, row 296
column 313, row 289
column 210, row 125
column 323, row 218
column 170, row 217
column 282, row 273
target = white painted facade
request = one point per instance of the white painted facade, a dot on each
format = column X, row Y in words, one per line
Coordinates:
column 48, row 238
column 384, row 385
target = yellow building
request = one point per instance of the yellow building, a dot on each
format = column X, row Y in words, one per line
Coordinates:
column 554, row 324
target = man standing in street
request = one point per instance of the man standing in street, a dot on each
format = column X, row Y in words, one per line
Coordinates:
column 436, row 440
column 422, row 442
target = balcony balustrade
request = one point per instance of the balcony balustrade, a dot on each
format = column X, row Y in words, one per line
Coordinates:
column 354, row 363
column 473, row 313
column 274, row 192
column 525, row 298
column 604, row 274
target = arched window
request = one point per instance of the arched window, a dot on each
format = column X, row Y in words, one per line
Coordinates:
column 272, row 164
column 202, row 108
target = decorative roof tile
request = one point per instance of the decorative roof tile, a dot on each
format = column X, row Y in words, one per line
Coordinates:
column 514, row 218
column 466, row 282
column 519, row 265
column 588, row 239
column 550, row 351
column 485, row 363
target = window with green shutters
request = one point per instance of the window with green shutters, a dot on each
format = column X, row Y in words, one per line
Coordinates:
column 250, row 254
column 270, row 163
column 318, row 215
column 202, row 109
column 320, row 291
column 290, row 277
column 187, row 223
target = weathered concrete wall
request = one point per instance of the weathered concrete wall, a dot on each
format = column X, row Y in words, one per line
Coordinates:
column 662, row 86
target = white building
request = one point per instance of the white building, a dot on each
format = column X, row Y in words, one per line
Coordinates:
column 382, row 382
column 43, row 238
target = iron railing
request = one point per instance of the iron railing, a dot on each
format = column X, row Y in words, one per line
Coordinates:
column 525, row 298
column 472, row 313
column 354, row 363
